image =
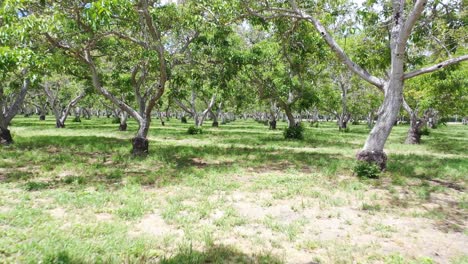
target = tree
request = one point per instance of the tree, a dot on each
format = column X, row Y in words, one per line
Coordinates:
column 286, row 67
column 16, row 58
column 92, row 34
column 402, row 20
column 63, row 94
column 215, row 59
column 433, row 96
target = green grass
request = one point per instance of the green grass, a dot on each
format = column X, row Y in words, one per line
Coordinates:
column 76, row 195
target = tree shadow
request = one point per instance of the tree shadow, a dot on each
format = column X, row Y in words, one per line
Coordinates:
column 107, row 161
column 219, row 254
column 427, row 167
column 452, row 146
column 70, row 142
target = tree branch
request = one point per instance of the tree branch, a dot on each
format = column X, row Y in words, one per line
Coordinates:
column 411, row 20
column 19, row 100
column 298, row 13
column 98, row 86
column 436, row 67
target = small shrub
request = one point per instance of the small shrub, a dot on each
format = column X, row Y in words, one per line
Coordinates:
column 74, row 180
column 344, row 130
column 425, row 131
column 314, row 124
column 194, row 130
column 183, row 120
column 295, row 132
column 61, row 257
column 366, row 170
column 116, row 120
column 35, row 186
column 371, row 207
column 114, row 175
column 77, row 119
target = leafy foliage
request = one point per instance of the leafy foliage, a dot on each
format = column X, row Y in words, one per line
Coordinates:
column 366, row 170
column 294, row 132
column 192, row 130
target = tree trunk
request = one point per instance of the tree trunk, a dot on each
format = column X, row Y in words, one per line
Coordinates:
column 414, row 132
column 272, row 122
column 343, row 120
column 160, row 114
column 123, row 121
column 273, row 111
column 42, row 113
column 167, row 112
column 86, row 113
column 140, row 142
column 373, row 150
column 59, row 124
column 140, row 146
column 77, row 114
column 342, row 123
column 290, row 116
column 214, row 116
column 6, row 135
column 370, row 119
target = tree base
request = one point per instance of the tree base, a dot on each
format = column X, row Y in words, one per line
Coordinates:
column 5, row 136
column 42, row 118
column 140, row 146
column 215, row 124
column 59, row 124
column 273, row 125
column 123, row 127
column 343, row 126
column 413, row 138
column 377, row 157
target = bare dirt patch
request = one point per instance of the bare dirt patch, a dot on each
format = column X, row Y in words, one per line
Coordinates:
column 154, row 225
column 332, row 228
column 58, row 212
column 104, row 217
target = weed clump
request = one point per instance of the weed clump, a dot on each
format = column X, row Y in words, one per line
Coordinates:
column 367, row 170
column 294, row 132
column 194, row 130
column 36, row 186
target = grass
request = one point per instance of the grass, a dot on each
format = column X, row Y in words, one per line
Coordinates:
column 239, row 193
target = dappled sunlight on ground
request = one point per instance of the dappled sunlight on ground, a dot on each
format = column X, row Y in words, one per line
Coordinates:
column 234, row 194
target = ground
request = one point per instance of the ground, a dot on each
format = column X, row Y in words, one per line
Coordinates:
column 239, row 193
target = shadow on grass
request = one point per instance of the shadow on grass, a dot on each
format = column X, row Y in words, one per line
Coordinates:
column 218, row 254
column 428, row 167
column 70, row 142
column 453, row 145
column 214, row 254
column 108, row 161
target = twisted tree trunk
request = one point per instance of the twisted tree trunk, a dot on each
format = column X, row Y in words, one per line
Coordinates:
column 140, row 142
column 8, row 113
column 414, row 131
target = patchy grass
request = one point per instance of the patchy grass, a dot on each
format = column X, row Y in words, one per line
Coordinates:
column 239, row 193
